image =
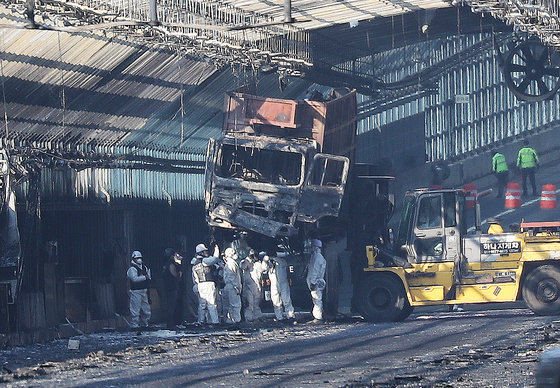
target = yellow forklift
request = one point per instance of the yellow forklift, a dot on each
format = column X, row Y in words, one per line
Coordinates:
column 435, row 260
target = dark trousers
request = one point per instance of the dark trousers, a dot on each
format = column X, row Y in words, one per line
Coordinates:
column 174, row 308
column 502, row 182
column 528, row 172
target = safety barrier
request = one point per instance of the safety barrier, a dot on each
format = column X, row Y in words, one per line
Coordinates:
column 513, row 195
column 548, row 197
column 471, row 192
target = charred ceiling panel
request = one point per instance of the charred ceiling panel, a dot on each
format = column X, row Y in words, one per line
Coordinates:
column 66, row 89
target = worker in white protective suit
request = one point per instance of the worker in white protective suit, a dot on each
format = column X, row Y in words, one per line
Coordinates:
column 316, row 279
column 279, row 286
column 252, row 268
column 232, row 289
column 139, row 277
column 203, row 278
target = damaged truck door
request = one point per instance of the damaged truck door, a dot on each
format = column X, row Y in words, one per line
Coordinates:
column 324, row 187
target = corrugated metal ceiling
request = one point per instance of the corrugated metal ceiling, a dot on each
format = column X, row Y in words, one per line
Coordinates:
column 80, row 88
column 324, row 13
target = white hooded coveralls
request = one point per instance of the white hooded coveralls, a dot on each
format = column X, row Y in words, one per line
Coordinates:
column 206, row 290
column 280, row 287
column 316, row 271
column 232, row 290
column 252, row 287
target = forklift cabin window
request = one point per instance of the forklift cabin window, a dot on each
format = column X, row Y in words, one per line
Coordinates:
column 428, row 242
column 405, row 226
column 449, row 217
column 429, row 213
column 260, row 165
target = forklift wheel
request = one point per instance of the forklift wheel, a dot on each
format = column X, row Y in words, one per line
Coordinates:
column 382, row 299
column 407, row 310
column 541, row 290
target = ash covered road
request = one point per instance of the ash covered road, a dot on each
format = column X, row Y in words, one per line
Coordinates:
column 475, row 348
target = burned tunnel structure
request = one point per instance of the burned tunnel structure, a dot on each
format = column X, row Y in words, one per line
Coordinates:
column 107, row 137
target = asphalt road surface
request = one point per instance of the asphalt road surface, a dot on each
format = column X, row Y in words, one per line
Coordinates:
column 485, row 346
column 432, row 348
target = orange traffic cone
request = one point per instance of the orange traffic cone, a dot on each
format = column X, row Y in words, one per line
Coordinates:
column 548, row 197
column 513, row 195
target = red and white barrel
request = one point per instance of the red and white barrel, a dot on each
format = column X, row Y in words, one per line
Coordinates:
column 548, row 197
column 513, row 195
column 470, row 198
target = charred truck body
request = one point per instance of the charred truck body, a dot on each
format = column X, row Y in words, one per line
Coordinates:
column 280, row 174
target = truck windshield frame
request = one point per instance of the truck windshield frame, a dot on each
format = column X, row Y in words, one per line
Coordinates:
column 262, row 165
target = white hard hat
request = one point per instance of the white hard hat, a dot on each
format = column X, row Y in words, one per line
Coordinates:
column 201, row 248
column 317, row 243
column 229, row 252
column 136, row 254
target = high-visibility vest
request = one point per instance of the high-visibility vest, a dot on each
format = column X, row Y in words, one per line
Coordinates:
column 527, row 158
column 499, row 163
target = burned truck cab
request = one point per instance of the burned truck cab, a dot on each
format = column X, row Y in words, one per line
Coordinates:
column 256, row 182
column 278, row 163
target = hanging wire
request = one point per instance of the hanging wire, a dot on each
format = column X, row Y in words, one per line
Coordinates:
column 392, row 32
column 459, row 48
column 63, row 97
column 4, row 99
column 182, row 100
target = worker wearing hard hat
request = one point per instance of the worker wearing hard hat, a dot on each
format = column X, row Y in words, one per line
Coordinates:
column 173, row 287
column 232, row 288
column 315, row 279
column 253, row 269
column 139, row 276
column 203, row 278
column 528, row 161
column 495, row 227
column 500, row 169
column 279, row 286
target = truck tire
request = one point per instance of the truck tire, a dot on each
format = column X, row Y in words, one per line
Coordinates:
column 382, row 298
column 541, row 290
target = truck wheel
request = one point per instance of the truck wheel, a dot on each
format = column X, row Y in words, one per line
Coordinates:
column 382, row 299
column 541, row 290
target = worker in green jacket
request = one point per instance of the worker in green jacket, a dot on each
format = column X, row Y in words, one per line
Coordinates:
column 528, row 161
column 500, row 169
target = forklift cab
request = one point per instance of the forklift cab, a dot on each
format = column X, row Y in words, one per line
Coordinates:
column 432, row 224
